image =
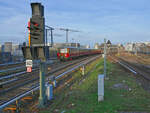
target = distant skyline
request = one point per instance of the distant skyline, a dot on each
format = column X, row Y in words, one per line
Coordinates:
column 120, row 21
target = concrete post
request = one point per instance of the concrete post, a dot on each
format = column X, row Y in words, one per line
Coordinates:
column 83, row 70
column 17, row 106
column 136, row 52
column 42, row 96
column 105, row 57
column 118, row 51
column 100, row 87
column 54, row 83
column 49, row 92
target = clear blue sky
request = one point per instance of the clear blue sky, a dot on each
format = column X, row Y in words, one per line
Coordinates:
column 117, row 20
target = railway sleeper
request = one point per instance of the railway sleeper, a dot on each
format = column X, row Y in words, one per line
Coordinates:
column 11, row 108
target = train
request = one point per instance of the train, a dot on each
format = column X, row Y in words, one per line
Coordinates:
column 69, row 53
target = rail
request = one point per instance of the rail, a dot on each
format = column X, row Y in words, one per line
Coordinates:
column 37, row 87
column 125, row 66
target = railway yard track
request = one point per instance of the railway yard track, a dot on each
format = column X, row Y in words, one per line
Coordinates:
column 17, row 85
column 22, row 83
column 15, row 68
column 138, row 68
column 12, row 74
column 10, row 65
column 141, row 71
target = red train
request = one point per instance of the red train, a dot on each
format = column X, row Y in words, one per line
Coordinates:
column 72, row 52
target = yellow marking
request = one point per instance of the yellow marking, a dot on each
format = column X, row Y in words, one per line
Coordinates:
column 29, row 39
column 26, row 98
column 10, row 108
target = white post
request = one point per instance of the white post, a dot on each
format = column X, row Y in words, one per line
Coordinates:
column 100, row 87
column 49, row 92
column 83, row 70
column 54, row 83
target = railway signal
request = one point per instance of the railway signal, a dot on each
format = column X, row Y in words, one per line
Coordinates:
column 37, row 25
column 67, row 30
column 37, row 50
column 29, row 69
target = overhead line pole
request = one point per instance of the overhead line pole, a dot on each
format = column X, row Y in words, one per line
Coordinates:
column 105, row 57
column 52, row 37
column 51, row 29
column 67, row 35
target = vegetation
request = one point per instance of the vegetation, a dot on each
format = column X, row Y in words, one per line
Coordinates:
column 122, row 93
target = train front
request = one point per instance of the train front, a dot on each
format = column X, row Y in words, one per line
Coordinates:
column 63, row 54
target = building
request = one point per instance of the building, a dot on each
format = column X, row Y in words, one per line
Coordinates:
column 147, row 43
column 17, row 54
column 96, row 46
column 8, row 47
column 142, row 47
column 14, row 48
column 5, row 57
column 129, row 46
column 0, row 48
column 87, row 46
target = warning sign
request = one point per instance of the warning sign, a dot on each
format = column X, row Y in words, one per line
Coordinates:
column 29, row 69
column 29, row 63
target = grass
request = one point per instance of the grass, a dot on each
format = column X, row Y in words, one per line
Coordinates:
column 82, row 97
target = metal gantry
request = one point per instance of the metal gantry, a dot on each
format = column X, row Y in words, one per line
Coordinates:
column 51, row 30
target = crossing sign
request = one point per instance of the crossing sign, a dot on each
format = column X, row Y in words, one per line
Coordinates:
column 29, row 63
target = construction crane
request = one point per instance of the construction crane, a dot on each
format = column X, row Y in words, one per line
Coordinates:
column 67, row 30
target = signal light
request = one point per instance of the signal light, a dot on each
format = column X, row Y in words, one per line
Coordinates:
column 67, row 55
column 28, row 26
column 35, row 24
column 37, row 31
column 36, row 28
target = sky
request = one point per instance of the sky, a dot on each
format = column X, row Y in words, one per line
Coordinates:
column 120, row 21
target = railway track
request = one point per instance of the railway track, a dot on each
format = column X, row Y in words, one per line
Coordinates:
column 16, row 80
column 11, row 65
column 32, row 82
column 136, row 68
column 11, row 73
column 14, row 68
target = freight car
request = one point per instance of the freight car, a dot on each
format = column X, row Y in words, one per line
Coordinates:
column 69, row 53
